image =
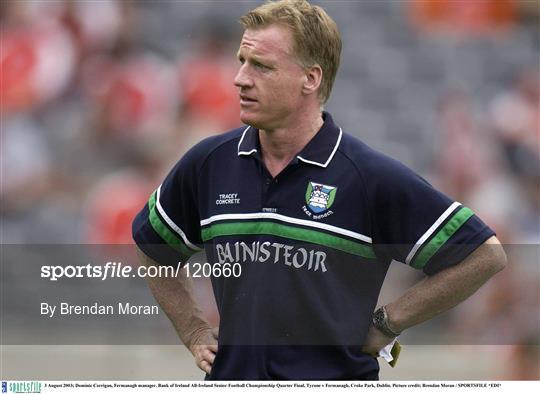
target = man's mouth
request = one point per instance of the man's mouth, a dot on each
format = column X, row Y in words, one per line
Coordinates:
column 246, row 99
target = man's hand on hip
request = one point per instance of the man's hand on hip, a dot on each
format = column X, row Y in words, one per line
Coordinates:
column 375, row 340
column 204, row 348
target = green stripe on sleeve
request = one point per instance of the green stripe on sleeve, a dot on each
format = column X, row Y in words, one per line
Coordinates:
column 280, row 230
column 163, row 231
column 453, row 225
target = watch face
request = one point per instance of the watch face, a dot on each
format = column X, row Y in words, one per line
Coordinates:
column 378, row 318
column 381, row 323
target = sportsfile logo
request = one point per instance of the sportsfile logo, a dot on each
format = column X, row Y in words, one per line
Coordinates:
column 21, row 387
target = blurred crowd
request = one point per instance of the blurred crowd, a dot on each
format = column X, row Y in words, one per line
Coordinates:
column 100, row 98
column 92, row 119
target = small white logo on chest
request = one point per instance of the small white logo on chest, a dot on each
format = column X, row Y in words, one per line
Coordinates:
column 227, row 199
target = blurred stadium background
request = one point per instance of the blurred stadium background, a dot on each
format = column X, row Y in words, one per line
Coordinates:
column 100, row 98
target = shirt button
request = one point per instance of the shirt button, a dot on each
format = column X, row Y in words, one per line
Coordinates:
column 268, row 182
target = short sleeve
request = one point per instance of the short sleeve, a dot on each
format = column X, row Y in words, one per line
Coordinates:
column 418, row 225
column 167, row 229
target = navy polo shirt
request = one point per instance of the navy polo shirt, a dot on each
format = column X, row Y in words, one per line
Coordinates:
column 314, row 245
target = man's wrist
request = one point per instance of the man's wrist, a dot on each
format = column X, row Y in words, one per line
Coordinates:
column 381, row 321
column 193, row 334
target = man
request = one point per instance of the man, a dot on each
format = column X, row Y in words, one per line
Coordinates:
column 313, row 216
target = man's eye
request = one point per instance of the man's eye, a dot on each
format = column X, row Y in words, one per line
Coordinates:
column 261, row 66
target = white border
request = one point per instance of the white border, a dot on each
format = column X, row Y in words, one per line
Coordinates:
column 286, row 219
column 331, row 155
column 240, row 143
column 431, row 230
column 172, row 224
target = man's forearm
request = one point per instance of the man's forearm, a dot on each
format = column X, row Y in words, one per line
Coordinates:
column 175, row 296
column 447, row 288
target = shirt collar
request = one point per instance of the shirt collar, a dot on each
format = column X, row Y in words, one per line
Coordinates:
column 249, row 143
column 319, row 151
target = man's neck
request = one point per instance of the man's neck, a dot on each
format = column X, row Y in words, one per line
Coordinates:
column 280, row 146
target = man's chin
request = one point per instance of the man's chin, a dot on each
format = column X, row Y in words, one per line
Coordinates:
column 250, row 120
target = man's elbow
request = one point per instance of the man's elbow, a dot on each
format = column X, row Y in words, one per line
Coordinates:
column 497, row 259
column 500, row 261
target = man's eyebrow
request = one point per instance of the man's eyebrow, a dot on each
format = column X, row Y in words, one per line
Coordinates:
column 254, row 58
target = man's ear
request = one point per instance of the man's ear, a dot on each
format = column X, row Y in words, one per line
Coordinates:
column 313, row 79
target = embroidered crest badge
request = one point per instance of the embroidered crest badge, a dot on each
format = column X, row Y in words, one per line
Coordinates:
column 319, row 197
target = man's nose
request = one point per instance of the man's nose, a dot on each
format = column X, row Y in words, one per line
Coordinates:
column 242, row 79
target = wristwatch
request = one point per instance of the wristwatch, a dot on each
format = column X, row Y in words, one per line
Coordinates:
column 380, row 321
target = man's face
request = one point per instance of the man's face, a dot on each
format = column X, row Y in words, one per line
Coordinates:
column 270, row 78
